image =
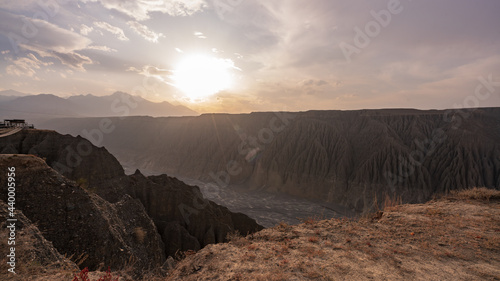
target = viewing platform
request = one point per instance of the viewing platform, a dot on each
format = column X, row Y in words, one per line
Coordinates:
column 11, row 126
column 16, row 123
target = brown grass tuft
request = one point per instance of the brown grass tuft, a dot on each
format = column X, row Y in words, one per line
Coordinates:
column 139, row 234
column 313, row 239
column 390, row 203
column 283, row 226
column 476, row 193
column 235, row 238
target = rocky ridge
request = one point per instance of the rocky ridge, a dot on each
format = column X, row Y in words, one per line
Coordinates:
column 80, row 224
column 176, row 215
column 34, row 254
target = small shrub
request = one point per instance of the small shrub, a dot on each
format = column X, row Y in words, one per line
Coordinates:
column 232, row 236
column 83, row 183
column 284, row 227
column 313, row 239
column 390, row 203
column 84, row 276
column 236, row 239
column 309, row 221
column 107, row 276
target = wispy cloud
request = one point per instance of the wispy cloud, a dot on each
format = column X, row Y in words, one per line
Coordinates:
column 101, row 48
column 200, row 35
column 25, row 66
column 144, row 31
column 73, row 60
column 140, row 10
column 112, row 29
column 152, row 71
column 85, row 30
column 40, row 34
column 43, row 38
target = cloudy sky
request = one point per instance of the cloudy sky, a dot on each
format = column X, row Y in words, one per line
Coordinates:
column 255, row 55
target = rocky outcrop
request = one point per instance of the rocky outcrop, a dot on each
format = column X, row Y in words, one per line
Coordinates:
column 33, row 253
column 73, row 157
column 343, row 157
column 81, row 224
column 183, row 218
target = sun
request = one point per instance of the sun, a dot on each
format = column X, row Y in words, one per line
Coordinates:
column 201, row 76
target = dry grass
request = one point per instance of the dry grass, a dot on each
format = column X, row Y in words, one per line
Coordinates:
column 391, row 202
column 236, row 238
column 31, row 264
column 139, row 234
column 313, row 239
column 476, row 193
column 442, row 240
column 283, row 226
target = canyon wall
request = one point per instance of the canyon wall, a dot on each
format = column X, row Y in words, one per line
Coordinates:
column 345, row 157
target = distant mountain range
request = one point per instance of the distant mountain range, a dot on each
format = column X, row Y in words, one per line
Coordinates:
column 8, row 95
column 37, row 108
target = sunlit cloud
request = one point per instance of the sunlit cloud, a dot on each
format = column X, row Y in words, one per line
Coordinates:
column 140, row 10
column 144, row 31
column 39, row 34
column 152, row 71
column 26, row 66
column 101, row 48
column 85, row 30
column 200, row 35
column 112, row 29
column 73, row 60
column 28, row 37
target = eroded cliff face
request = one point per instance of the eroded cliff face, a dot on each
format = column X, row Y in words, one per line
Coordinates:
column 33, row 253
column 182, row 217
column 345, row 157
column 185, row 220
column 80, row 224
column 73, row 157
column 352, row 157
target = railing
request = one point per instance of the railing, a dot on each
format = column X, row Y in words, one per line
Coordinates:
column 23, row 126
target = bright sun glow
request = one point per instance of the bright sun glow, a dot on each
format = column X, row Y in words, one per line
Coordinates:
column 201, row 76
